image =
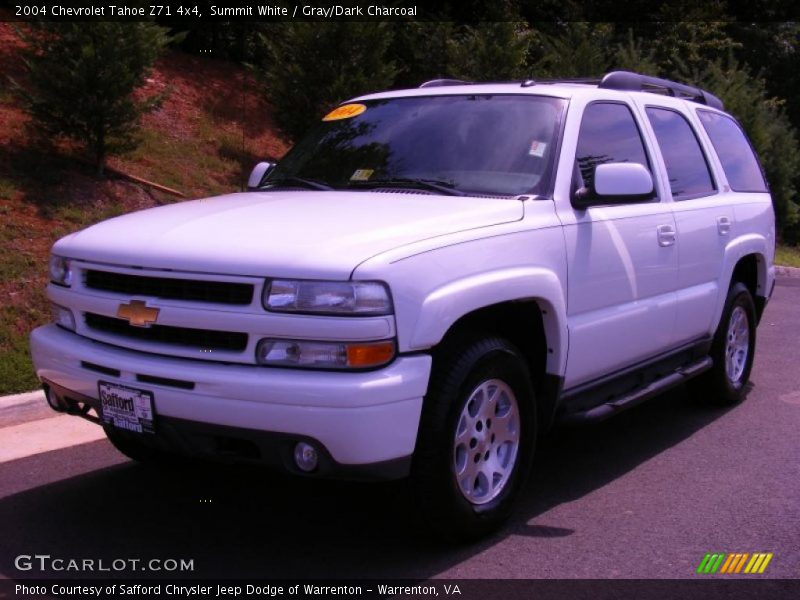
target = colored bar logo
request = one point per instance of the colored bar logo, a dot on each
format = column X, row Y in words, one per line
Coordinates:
column 737, row 562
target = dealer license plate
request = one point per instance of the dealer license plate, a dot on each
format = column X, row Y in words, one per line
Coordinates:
column 127, row 408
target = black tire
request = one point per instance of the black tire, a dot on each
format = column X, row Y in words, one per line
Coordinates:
column 134, row 448
column 723, row 384
column 465, row 366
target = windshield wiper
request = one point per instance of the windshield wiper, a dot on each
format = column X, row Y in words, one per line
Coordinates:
column 443, row 187
column 294, row 181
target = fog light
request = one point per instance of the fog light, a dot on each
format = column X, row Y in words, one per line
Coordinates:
column 305, row 457
column 63, row 317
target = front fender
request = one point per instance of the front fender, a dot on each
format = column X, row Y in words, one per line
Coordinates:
column 447, row 304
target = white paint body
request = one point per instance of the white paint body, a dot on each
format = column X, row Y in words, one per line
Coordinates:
column 618, row 285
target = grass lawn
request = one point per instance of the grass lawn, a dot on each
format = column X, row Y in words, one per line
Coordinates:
column 213, row 126
column 788, row 256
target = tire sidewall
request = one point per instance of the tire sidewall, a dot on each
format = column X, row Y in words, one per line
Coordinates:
column 738, row 295
column 500, row 361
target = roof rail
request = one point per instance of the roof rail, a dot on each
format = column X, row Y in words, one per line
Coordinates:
column 615, row 80
column 444, row 82
column 580, row 80
column 625, row 80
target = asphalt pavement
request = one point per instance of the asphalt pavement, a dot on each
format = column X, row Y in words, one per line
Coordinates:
column 644, row 495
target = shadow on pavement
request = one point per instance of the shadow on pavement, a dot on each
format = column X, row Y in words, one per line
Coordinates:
column 248, row 522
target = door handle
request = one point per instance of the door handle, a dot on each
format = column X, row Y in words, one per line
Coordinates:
column 723, row 225
column 666, row 235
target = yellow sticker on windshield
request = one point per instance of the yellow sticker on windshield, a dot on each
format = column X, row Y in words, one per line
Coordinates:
column 362, row 174
column 345, row 111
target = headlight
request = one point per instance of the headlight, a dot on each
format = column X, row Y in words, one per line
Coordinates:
column 328, row 297
column 324, row 355
column 60, row 270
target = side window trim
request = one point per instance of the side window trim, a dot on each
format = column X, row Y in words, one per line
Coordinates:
column 647, row 151
column 703, row 150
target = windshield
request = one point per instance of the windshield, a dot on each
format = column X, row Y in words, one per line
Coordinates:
column 469, row 144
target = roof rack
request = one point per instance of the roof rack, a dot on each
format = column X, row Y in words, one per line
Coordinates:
column 625, row 80
column 444, row 82
column 615, row 80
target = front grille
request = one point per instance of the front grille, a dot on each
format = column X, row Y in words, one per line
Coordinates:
column 219, row 292
column 202, row 339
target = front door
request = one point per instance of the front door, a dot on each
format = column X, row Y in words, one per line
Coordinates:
column 622, row 257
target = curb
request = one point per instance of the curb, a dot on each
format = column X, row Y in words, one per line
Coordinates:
column 15, row 400
column 791, row 272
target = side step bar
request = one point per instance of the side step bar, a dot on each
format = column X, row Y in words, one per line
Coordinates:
column 659, row 386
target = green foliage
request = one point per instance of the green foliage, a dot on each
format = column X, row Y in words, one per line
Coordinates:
column 421, row 50
column 631, row 55
column 496, row 51
column 81, row 82
column 310, row 67
column 16, row 370
column 692, row 34
column 577, row 50
column 773, row 50
column 775, row 140
column 7, row 188
column 787, row 256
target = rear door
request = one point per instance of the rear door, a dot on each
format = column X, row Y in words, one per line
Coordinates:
column 704, row 217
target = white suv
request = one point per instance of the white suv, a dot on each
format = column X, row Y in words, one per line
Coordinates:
column 423, row 285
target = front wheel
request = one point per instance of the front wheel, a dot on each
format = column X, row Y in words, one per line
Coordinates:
column 732, row 350
column 477, row 437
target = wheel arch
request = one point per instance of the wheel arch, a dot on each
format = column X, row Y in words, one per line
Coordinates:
column 747, row 262
column 463, row 300
column 522, row 323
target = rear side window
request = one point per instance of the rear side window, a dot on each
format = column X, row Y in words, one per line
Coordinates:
column 689, row 175
column 608, row 135
column 734, row 151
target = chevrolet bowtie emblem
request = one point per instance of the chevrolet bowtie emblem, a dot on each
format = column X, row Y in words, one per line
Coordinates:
column 137, row 313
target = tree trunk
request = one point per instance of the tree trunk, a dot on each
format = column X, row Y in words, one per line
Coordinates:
column 100, row 151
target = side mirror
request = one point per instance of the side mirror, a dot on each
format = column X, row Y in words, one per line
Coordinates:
column 621, row 181
column 258, row 173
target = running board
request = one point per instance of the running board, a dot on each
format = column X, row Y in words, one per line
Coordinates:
column 636, row 397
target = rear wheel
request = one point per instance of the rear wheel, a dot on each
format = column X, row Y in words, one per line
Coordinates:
column 732, row 350
column 476, row 439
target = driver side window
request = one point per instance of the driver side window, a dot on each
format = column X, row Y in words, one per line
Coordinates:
column 608, row 134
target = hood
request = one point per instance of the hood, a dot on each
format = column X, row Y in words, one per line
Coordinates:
column 281, row 234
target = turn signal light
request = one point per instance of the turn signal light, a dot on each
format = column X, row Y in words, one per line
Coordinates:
column 324, row 355
column 369, row 355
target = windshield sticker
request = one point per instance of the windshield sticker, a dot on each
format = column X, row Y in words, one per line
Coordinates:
column 537, row 149
column 345, row 111
column 362, row 174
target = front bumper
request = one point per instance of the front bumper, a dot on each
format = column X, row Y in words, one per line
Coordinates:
column 359, row 419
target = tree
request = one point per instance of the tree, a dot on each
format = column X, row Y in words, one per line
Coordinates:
column 775, row 140
column 81, row 82
column 421, row 51
column 692, row 34
column 310, row 67
column 632, row 56
column 494, row 51
column 578, row 49
column 773, row 49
